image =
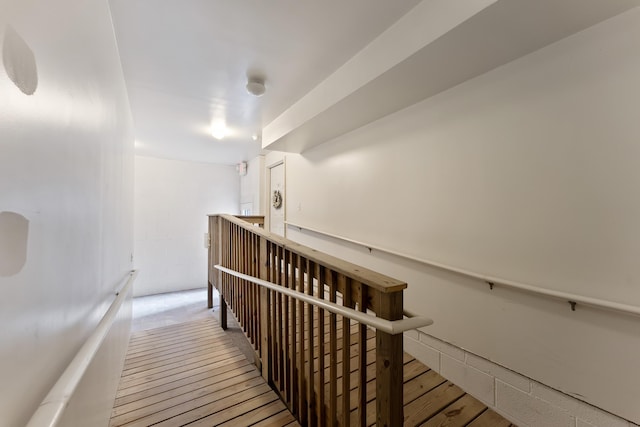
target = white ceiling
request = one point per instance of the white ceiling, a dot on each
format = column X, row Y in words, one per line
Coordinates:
column 186, row 63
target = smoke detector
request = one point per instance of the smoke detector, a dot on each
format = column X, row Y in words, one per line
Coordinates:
column 255, row 86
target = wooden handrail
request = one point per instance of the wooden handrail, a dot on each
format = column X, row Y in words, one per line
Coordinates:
column 391, row 327
column 369, row 277
column 50, row 411
column 289, row 298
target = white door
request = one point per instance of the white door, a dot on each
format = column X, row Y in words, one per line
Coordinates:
column 276, row 199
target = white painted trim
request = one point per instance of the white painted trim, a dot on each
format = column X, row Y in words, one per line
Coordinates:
column 50, row 411
column 392, row 327
column 267, row 213
column 569, row 297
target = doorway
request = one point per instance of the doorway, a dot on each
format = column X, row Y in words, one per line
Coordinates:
column 277, row 197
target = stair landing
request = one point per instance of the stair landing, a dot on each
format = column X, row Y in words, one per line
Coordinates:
column 192, row 374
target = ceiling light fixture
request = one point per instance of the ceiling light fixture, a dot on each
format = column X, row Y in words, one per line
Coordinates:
column 254, row 136
column 219, row 130
column 255, row 86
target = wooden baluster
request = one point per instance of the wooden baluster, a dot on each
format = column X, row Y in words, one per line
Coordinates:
column 302, row 383
column 333, row 352
column 362, row 357
column 254, row 311
column 256, row 291
column 245, row 284
column 236, row 266
column 311, row 406
column 234, row 288
column 287, row 329
column 294, row 324
column 274, row 313
column 389, row 363
column 238, row 287
column 230, row 279
column 234, row 306
column 256, row 296
column 281, row 325
column 248, row 286
column 344, row 283
column 321, row 318
column 246, row 259
column 265, row 312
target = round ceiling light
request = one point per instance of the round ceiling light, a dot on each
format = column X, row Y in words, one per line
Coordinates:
column 255, row 86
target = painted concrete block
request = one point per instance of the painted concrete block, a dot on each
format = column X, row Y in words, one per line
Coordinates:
column 448, row 349
column 413, row 334
column 529, row 409
column 425, row 354
column 473, row 381
column 504, row 374
column 583, row 411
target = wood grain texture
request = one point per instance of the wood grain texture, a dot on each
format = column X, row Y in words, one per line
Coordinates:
column 191, row 373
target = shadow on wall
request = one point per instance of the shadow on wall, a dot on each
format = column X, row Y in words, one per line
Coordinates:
column 19, row 62
column 14, row 234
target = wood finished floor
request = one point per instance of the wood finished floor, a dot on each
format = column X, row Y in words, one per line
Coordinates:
column 192, row 374
column 429, row 399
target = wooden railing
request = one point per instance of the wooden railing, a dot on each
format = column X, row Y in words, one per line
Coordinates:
column 317, row 360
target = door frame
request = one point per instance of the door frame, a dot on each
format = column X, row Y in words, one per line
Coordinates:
column 267, row 216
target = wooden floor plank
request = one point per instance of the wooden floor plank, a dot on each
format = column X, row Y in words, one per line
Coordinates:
column 207, row 347
column 171, row 332
column 280, row 419
column 203, row 330
column 139, row 409
column 490, row 418
column 177, row 330
column 177, row 356
column 178, row 326
column 192, row 373
column 203, row 334
column 429, row 404
column 177, row 368
column 224, row 409
column 413, row 369
column 153, row 348
column 188, row 403
column 256, row 415
column 222, row 372
column 457, row 414
column 178, row 376
column 420, row 385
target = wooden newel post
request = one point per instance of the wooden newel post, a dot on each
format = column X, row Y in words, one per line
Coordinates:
column 389, row 362
column 265, row 356
column 212, row 273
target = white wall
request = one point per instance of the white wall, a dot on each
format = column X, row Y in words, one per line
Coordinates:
column 66, row 167
column 172, row 200
column 528, row 173
column 252, row 193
